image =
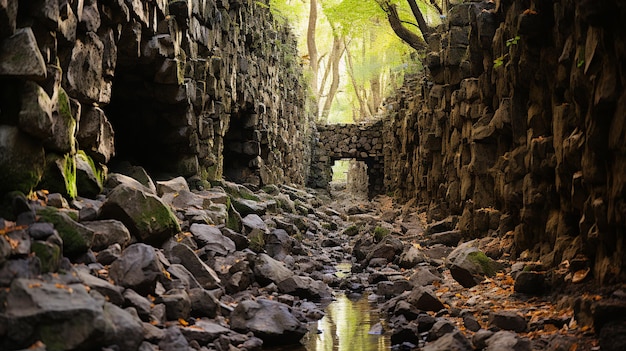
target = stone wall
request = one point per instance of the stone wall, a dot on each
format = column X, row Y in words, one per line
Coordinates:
column 361, row 142
column 518, row 128
column 186, row 87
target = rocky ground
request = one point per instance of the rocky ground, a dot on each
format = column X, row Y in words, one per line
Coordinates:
column 162, row 266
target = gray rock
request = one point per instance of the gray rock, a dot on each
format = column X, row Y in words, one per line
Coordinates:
column 108, row 232
column 388, row 249
column 508, row 320
column 469, row 266
column 423, row 276
column 271, row 321
column 424, row 299
column 107, row 256
column 77, row 238
column 204, row 274
column 142, row 305
column 480, row 338
column 61, row 316
column 211, row 239
column 278, row 244
column 179, row 273
column 84, row 73
column 268, row 270
column 29, row 267
column 411, row 257
column 203, row 303
column 112, row 292
column 450, row 342
column 95, row 134
column 115, row 179
column 138, row 268
column 35, row 116
column 174, row 340
column 470, row 323
column 144, row 214
column 174, row 185
column 253, row 221
column 240, row 240
column 204, row 331
column 441, row 327
column 177, row 304
column 121, row 328
column 20, row 56
column 304, row 287
column 506, row 340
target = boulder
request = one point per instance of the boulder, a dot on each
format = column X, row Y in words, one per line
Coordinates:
column 35, row 116
column 210, row 238
column 304, row 287
column 77, row 238
column 469, row 266
column 61, row 316
column 204, row 274
column 22, row 161
column 454, row 341
column 172, row 186
column 268, row 270
column 112, row 293
column 121, row 328
column 424, row 299
column 60, row 175
column 271, row 321
column 20, row 56
column 95, row 134
column 138, row 268
column 278, row 244
column 506, row 340
column 144, row 214
column 108, row 232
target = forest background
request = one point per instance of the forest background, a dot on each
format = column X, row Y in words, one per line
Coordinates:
column 357, row 52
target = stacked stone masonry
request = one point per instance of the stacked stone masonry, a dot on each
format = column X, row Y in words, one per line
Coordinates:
column 361, row 142
column 518, row 128
column 205, row 88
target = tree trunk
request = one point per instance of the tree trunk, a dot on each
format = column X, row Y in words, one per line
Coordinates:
column 421, row 22
column 311, row 45
column 414, row 40
column 334, row 59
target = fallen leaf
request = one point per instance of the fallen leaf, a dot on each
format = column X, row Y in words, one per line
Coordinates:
column 183, row 322
column 580, row 275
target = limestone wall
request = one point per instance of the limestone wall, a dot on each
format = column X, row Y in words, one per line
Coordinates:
column 519, row 129
column 185, row 87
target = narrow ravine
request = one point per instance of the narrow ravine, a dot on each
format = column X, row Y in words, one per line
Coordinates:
column 161, row 266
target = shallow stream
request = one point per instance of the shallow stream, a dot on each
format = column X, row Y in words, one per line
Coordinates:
column 350, row 324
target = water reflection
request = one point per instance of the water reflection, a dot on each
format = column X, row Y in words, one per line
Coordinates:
column 345, row 327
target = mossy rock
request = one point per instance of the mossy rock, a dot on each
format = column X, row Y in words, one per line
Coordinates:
column 489, row 266
column 234, row 221
column 49, row 255
column 76, row 237
column 147, row 217
column 22, row 161
column 60, row 175
column 89, row 177
column 380, row 233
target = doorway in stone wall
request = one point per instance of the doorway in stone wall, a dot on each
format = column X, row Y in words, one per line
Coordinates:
column 244, row 149
column 349, row 179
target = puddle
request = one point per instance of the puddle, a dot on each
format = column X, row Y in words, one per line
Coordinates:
column 345, row 327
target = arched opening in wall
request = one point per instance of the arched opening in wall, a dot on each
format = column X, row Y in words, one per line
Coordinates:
column 245, row 149
column 350, row 178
